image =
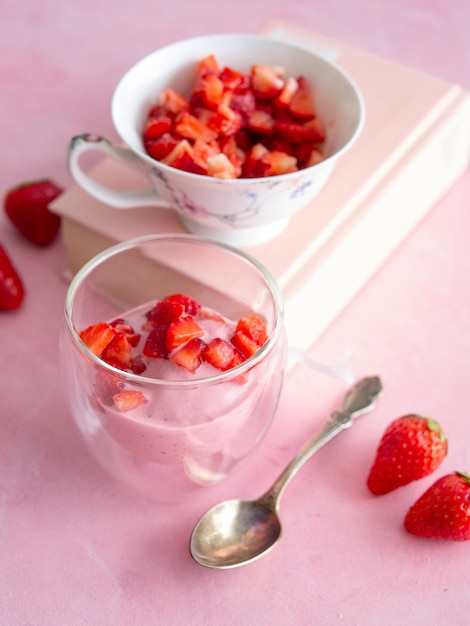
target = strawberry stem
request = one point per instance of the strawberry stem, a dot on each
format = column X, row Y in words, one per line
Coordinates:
column 435, row 426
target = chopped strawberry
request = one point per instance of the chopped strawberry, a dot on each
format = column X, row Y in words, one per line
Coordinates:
column 220, row 166
column 182, row 157
column 316, row 128
column 244, row 344
column 261, row 122
column 244, row 102
column 221, row 354
column 294, row 132
column 173, row 102
column 226, row 121
column 236, row 156
column 11, row 285
column 182, row 330
column 165, row 311
column 190, row 127
column 308, row 155
column 108, row 384
column 212, row 90
column 189, row 305
column 27, row 207
column 156, row 127
column 253, row 166
column 279, row 163
column 97, row 336
column 137, row 365
column 267, row 81
column 161, row 147
column 128, row 399
column 301, row 105
column 123, row 327
column 189, row 355
column 118, row 349
column 155, row 344
column 253, row 327
column 290, row 88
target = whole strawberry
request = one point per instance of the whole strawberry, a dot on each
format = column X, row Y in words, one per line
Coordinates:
column 27, row 207
column 412, row 447
column 443, row 511
column 11, row 286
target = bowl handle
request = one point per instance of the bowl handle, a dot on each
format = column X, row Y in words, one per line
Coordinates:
column 116, row 198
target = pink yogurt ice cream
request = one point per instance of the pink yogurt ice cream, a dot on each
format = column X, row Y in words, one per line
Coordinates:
column 205, row 418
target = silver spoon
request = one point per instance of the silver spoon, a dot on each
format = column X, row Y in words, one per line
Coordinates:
column 236, row 532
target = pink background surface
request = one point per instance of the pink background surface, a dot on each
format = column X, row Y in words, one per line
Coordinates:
column 75, row 548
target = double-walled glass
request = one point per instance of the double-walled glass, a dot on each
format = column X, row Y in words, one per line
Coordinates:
column 191, row 431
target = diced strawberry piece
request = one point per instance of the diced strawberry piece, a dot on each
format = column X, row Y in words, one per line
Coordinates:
column 155, row 344
column 289, row 89
column 244, row 344
column 226, row 121
column 165, row 311
column 301, row 104
column 182, row 157
column 182, row 330
column 283, row 146
column 236, row 155
column 232, row 79
column 202, row 150
column 220, row 166
column 221, row 354
column 128, row 399
column 137, row 365
column 316, row 127
column 279, row 163
column 308, row 155
column 190, row 127
column 156, row 127
column 212, row 90
column 254, row 166
column 173, row 102
column 267, row 81
column 244, row 102
column 253, row 327
column 296, row 133
column 261, row 122
column 161, row 147
column 97, row 336
column 122, row 326
column 107, row 384
column 190, row 305
column 189, row 355
column 118, row 349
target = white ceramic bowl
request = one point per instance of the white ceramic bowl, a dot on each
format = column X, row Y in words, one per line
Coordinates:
column 239, row 211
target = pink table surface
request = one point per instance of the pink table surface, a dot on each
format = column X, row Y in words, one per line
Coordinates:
column 75, row 548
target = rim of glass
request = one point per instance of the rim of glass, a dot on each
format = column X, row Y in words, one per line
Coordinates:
column 234, row 372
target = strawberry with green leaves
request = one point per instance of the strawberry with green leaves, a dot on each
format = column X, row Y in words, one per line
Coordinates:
column 27, row 207
column 411, row 448
column 443, row 511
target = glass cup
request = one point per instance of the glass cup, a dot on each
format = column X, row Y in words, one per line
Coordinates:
column 192, row 431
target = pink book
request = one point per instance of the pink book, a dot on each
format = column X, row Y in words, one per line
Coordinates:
column 414, row 146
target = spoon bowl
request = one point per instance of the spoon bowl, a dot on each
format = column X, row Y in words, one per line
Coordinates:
column 236, row 532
